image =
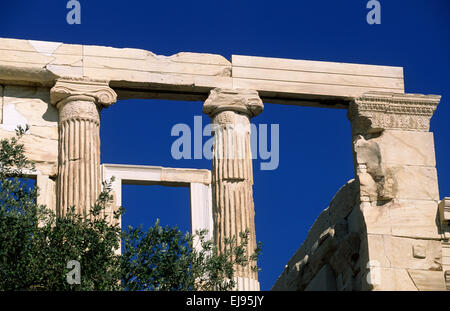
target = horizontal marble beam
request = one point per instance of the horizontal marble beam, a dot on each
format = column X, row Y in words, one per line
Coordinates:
column 137, row 73
column 139, row 174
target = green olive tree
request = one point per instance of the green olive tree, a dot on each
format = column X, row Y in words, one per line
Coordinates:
column 36, row 245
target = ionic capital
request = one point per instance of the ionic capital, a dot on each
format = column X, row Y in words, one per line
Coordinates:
column 376, row 111
column 245, row 102
column 71, row 89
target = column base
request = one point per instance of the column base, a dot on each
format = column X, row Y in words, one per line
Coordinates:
column 246, row 284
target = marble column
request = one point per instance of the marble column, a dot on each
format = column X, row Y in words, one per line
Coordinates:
column 232, row 175
column 79, row 103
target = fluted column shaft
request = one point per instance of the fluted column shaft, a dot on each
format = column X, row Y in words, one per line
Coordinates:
column 79, row 104
column 232, row 173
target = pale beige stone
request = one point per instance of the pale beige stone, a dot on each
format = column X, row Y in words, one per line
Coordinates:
column 76, row 89
column 417, row 219
column 316, row 66
column 33, row 103
column 15, row 44
column 179, row 82
column 388, row 279
column 186, row 175
column 157, row 65
column 411, row 182
column 377, row 219
column 384, row 181
column 374, row 112
column 200, row 58
column 317, row 77
column 106, row 51
column 373, row 250
column 428, row 280
column 44, row 47
column 395, row 252
column 66, row 70
column 79, row 103
column 280, row 80
column 406, row 148
column 46, row 132
column 146, row 174
column 446, row 255
column 419, row 250
column 14, row 56
column 405, row 218
column 201, row 211
column 47, row 192
column 69, row 49
column 232, row 174
column 66, row 60
column 326, row 90
column 246, row 284
column 42, row 151
column 24, row 105
column 24, row 73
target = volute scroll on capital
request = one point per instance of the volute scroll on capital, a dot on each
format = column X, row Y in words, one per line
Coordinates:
column 71, row 89
column 241, row 101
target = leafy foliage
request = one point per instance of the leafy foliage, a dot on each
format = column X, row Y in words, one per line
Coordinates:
column 36, row 245
column 164, row 259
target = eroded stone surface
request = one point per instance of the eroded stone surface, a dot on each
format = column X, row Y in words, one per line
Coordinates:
column 382, row 231
column 24, row 105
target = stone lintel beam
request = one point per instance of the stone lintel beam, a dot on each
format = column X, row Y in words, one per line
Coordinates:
column 232, row 175
column 79, row 103
column 376, row 111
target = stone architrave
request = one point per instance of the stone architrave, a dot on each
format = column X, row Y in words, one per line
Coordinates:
column 79, row 103
column 230, row 111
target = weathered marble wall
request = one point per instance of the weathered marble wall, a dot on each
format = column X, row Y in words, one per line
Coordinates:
column 21, row 105
column 382, row 231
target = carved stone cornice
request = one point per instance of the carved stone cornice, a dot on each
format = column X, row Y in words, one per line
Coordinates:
column 80, row 89
column 377, row 111
column 242, row 101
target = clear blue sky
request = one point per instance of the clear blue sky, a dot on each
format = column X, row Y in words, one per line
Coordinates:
column 315, row 143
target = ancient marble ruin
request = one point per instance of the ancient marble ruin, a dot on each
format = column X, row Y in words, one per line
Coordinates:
column 386, row 229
